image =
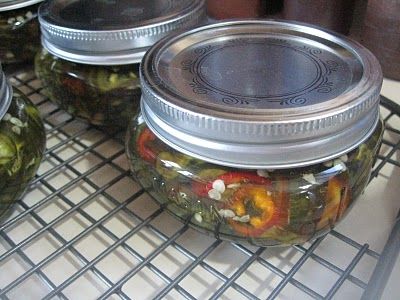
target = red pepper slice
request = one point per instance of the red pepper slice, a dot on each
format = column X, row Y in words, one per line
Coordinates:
column 338, row 198
column 264, row 207
column 145, row 152
column 201, row 189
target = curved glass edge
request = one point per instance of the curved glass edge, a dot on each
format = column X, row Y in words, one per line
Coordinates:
column 105, row 96
column 22, row 144
column 260, row 207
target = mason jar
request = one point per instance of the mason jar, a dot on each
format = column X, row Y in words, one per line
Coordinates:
column 90, row 60
column 19, row 30
column 22, row 143
column 257, row 131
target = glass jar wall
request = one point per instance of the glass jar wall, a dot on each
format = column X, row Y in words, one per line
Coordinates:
column 268, row 135
column 89, row 63
column 22, row 144
column 19, row 33
column 263, row 207
column 106, row 96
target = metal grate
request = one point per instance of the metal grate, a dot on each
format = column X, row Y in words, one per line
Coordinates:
column 86, row 230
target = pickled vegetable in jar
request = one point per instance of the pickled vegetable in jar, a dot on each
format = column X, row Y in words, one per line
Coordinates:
column 268, row 136
column 19, row 31
column 89, row 63
column 22, row 144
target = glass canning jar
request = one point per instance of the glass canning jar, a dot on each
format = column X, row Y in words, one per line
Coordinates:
column 22, row 143
column 19, row 30
column 267, row 136
column 90, row 61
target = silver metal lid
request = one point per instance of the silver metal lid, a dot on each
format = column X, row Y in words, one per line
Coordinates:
column 112, row 32
column 261, row 94
column 16, row 4
column 5, row 94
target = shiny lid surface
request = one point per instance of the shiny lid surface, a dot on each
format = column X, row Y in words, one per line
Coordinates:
column 261, row 94
column 5, row 94
column 16, row 4
column 107, row 32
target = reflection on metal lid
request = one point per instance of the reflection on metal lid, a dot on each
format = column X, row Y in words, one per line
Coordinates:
column 261, row 93
column 111, row 31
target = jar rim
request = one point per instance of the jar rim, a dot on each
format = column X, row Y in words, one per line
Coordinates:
column 115, row 35
column 16, row 4
column 187, row 78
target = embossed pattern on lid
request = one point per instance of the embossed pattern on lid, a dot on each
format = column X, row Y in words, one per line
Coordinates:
column 108, row 32
column 261, row 94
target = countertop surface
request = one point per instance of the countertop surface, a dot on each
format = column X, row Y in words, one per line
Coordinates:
column 85, row 230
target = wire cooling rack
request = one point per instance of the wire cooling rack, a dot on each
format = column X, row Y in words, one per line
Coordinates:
column 86, row 230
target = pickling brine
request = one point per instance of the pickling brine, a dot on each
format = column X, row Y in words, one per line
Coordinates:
column 22, row 144
column 264, row 207
column 267, row 136
column 89, row 63
column 19, row 31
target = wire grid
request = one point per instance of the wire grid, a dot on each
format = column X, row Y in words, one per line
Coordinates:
column 86, row 230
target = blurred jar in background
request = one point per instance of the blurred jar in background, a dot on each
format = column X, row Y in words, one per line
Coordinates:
column 381, row 34
column 336, row 15
column 19, row 31
column 225, row 9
